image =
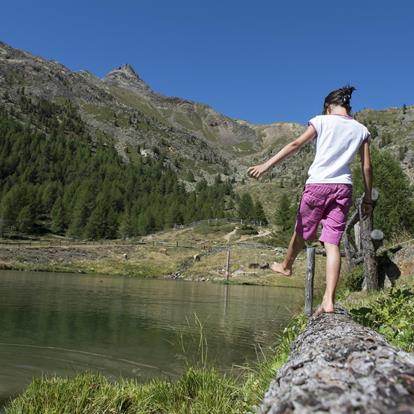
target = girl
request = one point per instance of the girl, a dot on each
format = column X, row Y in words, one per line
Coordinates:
column 327, row 195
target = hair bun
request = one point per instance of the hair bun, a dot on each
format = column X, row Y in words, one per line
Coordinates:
column 340, row 97
column 347, row 91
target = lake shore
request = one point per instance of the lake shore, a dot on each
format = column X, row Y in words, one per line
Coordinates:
column 175, row 255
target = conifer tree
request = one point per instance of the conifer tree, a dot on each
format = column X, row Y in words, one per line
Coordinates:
column 57, row 215
column 285, row 214
column 246, row 207
column 125, row 228
column 25, row 220
column 260, row 215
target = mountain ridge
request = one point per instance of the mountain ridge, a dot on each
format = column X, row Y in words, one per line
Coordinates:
column 190, row 136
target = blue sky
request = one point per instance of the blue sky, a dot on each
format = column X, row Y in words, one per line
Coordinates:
column 262, row 60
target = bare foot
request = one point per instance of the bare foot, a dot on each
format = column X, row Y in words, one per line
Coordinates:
column 323, row 309
column 278, row 268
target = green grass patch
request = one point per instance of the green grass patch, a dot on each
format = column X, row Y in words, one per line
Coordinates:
column 214, row 228
column 133, row 100
column 101, row 113
column 391, row 313
column 243, row 148
column 197, row 391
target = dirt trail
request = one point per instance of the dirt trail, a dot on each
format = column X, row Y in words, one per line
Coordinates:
column 262, row 233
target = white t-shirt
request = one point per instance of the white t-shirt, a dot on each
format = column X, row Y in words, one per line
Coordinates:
column 339, row 138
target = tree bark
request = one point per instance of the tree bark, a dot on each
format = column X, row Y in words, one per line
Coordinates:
column 368, row 250
column 338, row 366
column 310, row 273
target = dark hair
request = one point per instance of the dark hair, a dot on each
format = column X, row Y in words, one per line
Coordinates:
column 341, row 97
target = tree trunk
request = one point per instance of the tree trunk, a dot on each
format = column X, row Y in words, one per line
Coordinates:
column 368, row 250
column 310, row 273
column 339, row 366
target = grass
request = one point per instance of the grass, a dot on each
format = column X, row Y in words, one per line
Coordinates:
column 389, row 312
column 149, row 260
column 139, row 103
column 102, row 113
column 162, row 254
column 243, row 148
column 89, row 393
column 201, row 389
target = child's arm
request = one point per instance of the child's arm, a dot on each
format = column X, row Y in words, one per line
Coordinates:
column 367, row 177
column 257, row 170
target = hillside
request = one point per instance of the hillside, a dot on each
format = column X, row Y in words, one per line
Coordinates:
column 122, row 107
column 121, row 111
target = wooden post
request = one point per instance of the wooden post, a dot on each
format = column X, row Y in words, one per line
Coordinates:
column 310, row 273
column 228, row 264
column 357, row 233
column 377, row 237
column 368, row 249
column 349, row 246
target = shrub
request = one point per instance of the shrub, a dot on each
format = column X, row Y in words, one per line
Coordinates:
column 353, row 280
column 392, row 315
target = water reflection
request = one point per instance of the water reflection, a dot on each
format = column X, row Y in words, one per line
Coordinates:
column 65, row 323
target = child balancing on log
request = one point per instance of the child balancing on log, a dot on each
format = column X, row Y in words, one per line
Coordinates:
column 327, row 195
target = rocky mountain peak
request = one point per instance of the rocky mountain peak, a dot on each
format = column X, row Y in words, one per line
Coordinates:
column 129, row 71
column 126, row 76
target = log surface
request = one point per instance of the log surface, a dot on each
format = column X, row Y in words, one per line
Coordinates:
column 339, row 366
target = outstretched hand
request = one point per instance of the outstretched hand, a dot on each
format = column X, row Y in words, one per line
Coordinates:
column 257, row 171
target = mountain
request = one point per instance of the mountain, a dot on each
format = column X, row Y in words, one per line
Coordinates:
column 124, row 111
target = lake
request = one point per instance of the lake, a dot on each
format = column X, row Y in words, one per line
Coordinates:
column 61, row 324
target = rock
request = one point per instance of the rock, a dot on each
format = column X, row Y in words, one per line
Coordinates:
column 338, row 366
column 280, row 250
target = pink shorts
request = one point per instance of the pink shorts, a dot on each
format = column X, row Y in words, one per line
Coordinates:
column 327, row 204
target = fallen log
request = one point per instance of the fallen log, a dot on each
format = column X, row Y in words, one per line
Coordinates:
column 339, row 366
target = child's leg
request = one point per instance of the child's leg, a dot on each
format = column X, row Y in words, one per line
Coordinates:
column 295, row 246
column 333, row 227
column 333, row 267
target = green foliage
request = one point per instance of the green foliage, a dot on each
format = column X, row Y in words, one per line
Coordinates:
column 57, row 215
column 285, row 213
column 259, row 213
column 247, row 229
column 353, row 280
column 285, row 217
column 214, row 227
column 197, row 391
column 248, row 210
column 394, row 212
column 392, row 315
column 190, row 176
column 59, row 180
column 246, row 207
column 26, row 218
